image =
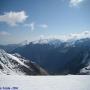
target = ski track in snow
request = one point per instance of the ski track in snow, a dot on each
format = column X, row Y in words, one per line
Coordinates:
column 69, row 82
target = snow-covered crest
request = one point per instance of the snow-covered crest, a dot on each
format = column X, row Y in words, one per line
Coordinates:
column 63, row 38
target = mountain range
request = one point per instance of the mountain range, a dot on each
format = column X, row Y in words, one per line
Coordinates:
column 68, row 54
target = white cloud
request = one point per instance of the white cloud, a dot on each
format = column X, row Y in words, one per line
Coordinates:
column 33, row 25
column 42, row 36
column 30, row 25
column 75, row 2
column 43, row 25
column 12, row 18
column 4, row 33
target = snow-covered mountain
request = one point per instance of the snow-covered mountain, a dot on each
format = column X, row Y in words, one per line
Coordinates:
column 59, row 56
column 16, row 64
column 69, row 39
column 68, row 54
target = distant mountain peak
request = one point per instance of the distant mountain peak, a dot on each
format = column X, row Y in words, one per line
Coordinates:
column 63, row 38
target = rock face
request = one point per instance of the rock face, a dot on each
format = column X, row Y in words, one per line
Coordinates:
column 16, row 64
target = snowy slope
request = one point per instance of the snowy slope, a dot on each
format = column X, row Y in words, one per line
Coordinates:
column 86, row 70
column 11, row 65
column 46, row 82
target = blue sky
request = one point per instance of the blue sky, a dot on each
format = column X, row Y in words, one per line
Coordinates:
column 31, row 19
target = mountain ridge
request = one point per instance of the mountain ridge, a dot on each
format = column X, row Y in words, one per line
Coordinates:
column 13, row 64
